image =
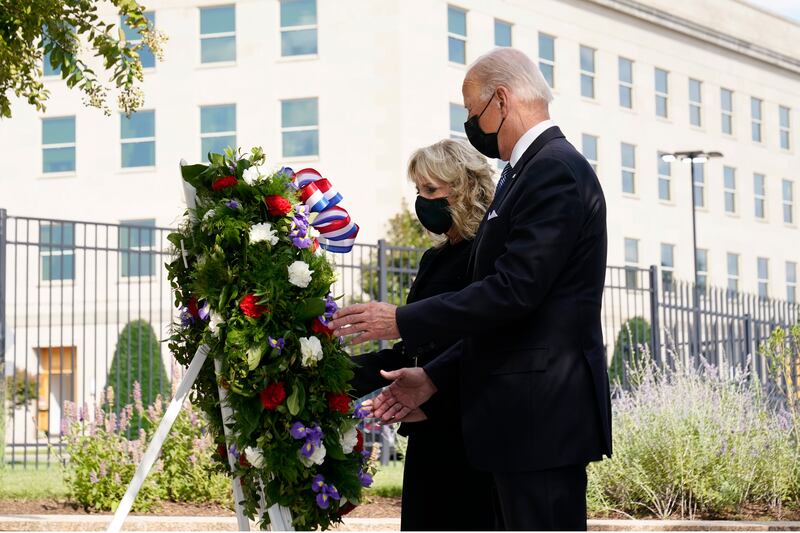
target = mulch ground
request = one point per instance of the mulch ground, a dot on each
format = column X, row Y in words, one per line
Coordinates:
column 375, row 507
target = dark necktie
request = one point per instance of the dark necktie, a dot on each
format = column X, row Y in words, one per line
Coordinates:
column 504, row 177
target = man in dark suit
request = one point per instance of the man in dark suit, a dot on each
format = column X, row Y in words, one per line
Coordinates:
column 532, row 366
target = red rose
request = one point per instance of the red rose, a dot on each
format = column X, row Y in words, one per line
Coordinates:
column 321, row 329
column 359, row 447
column 222, row 450
column 227, row 181
column 277, row 205
column 250, row 307
column 243, row 460
column 339, row 402
column 192, row 306
column 273, row 395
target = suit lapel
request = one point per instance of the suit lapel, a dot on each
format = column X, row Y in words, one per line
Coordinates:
column 547, row 135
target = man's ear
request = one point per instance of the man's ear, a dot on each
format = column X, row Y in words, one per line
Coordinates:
column 503, row 96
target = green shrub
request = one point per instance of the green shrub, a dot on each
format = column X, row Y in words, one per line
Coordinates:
column 688, row 442
column 630, row 349
column 100, row 460
column 137, row 358
column 20, row 388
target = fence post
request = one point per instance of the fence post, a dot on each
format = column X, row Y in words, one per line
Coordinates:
column 382, row 278
column 748, row 336
column 655, row 333
column 3, row 255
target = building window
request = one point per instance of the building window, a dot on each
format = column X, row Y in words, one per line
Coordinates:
column 662, row 93
column 298, row 27
column 762, row 264
column 726, row 104
column 57, row 251
column 695, row 102
column 788, row 202
column 58, row 144
column 699, row 184
column 217, row 128
column 587, row 72
column 138, row 139
column 300, row 127
column 628, row 168
column 457, row 117
column 702, row 270
column 664, row 179
column 457, row 35
column 589, row 143
column 47, row 68
column 791, row 282
column 136, row 244
column 547, row 58
column 626, row 83
column 667, row 266
column 729, row 187
column 783, row 121
column 755, row 114
column 133, row 38
column 733, row 273
column 502, row 33
column 631, row 260
column 217, row 34
column 760, row 195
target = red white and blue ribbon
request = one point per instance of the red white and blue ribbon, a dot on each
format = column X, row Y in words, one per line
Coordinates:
column 337, row 230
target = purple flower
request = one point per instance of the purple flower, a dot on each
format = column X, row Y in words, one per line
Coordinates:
column 287, row 170
column 365, row 479
column 276, row 344
column 93, row 477
column 204, row 311
column 315, row 435
column 323, row 500
column 233, row 451
column 186, row 317
column 330, row 305
column 301, row 242
column 360, row 412
column 298, row 430
column 233, row 204
column 318, row 483
column 331, row 491
column 308, row 449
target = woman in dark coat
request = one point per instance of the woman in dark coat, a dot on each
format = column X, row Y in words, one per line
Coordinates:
column 441, row 491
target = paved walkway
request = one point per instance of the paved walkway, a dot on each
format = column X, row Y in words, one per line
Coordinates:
column 211, row 523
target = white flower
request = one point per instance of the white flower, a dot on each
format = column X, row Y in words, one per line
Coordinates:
column 311, row 350
column 208, row 215
column 251, row 174
column 349, row 440
column 213, row 323
column 300, row 274
column 263, row 232
column 254, row 457
column 316, row 458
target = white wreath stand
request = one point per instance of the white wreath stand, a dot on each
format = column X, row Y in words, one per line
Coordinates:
column 280, row 517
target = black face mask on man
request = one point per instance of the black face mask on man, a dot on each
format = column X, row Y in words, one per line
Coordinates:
column 434, row 214
column 485, row 143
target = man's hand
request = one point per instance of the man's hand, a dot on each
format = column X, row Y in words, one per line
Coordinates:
column 410, row 388
column 371, row 321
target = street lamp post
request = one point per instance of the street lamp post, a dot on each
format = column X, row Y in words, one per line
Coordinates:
column 692, row 157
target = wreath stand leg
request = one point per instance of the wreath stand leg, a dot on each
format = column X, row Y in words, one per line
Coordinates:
column 280, row 517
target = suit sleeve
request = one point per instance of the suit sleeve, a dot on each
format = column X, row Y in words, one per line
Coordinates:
column 546, row 220
column 443, row 371
column 367, row 377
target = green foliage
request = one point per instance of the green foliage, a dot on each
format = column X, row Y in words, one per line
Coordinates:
column 631, row 348
column 68, row 32
column 20, row 388
column 45, row 482
column 403, row 230
column 224, row 264
column 100, row 460
column 690, row 443
column 137, row 359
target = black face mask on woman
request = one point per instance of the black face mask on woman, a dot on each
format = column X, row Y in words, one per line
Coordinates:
column 434, row 214
column 485, row 143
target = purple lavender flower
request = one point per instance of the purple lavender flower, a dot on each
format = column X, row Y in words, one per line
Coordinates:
column 365, row 479
column 276, row 344
column 233, row 204
column 93, row 477
column 318, row 483
column 298, row 430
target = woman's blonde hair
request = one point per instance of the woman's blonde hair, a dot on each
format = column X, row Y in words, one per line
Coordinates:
column 467, row 173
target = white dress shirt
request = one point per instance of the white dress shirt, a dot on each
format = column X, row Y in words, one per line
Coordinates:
column 527, row 139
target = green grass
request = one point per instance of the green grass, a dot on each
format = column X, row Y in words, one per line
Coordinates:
column 388, row 481
column 31, row 484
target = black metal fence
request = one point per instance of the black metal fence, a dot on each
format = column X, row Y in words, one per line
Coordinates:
column 83, row 305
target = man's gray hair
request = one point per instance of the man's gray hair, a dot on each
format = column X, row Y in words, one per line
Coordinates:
column 513, row 69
